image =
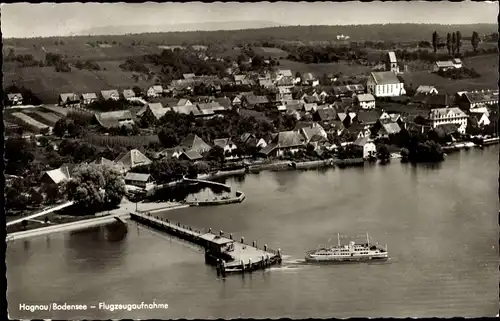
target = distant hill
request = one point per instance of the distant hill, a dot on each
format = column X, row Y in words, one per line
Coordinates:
column 183, row 27
column 152, row 36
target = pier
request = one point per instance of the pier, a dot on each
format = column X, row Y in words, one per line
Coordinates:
column 228, row 255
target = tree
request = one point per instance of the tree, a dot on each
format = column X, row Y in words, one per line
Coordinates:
column 435, row 41
column 458, row 41
column 168, row 137
column 475, row 41
column 95, row 187
column 383, row 153
column 216, row 154
column 18, row 155
column 35, row 197
column 454, row 43
column 74, row 129
column 60, row 127
column 448, row 43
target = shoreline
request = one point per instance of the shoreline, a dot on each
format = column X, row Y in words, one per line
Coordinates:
column 100, row 219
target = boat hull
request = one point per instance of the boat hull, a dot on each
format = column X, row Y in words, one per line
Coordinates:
column 312, row 259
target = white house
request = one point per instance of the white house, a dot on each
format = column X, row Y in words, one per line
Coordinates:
column 15, row 98
column 455, row 63
column 227, row 145
column 481, row 118
column 369, row 148
column 454, row 115
column 385, row 84
column 365, row 101
column 154, row 91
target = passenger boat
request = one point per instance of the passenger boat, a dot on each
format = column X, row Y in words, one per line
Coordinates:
column 351, row 252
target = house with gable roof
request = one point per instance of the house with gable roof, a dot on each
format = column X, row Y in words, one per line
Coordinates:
column 69, row 100
column 478, row 99
column 88, row 98
column 131, row 159
column 153, row 111
column 369, row 148
column 128, row 94
column 227, row 145
column 154, row 91
column 111, row 94
column 141, row 180
column 365, row 101
column 287, row 141
column 57, row 176
column 15, row 99
column 194, row 143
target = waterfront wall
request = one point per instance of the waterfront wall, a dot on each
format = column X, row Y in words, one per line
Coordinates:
column 240, row 196
column 66, row 227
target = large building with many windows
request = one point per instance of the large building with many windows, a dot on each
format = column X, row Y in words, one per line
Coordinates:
column 453, row 115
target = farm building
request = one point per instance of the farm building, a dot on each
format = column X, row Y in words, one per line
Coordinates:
column 113, row 119
column 426, row 90
column 455, row 63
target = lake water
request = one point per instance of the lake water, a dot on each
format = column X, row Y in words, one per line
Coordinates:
column 440, row 224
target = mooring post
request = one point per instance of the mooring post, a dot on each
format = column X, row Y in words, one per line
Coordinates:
column 231, row 236
column 242, row 240
column 242, row 266
column 265, row 247
column 249, row 264
column 221, row 233
column 253, row 243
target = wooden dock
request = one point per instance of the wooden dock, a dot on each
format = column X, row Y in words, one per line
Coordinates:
column 228, row 255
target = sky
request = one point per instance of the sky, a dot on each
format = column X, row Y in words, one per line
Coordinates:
column 48, row 19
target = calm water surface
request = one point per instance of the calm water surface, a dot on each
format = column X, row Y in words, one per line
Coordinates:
column 440, row 224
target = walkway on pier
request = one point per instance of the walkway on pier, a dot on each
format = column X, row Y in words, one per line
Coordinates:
column 240, row 252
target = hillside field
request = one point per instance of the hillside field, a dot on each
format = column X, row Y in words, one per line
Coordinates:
column 319, row 70
column 47, row 84
column 486, row 66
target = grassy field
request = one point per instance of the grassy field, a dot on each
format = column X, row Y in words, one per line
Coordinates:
column 324, row 68
column 486, row 65
column 47, row 84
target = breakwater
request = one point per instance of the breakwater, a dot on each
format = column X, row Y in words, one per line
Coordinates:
column 240, row 196
column 228, row 255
